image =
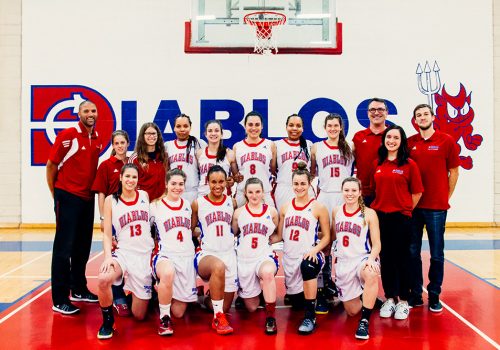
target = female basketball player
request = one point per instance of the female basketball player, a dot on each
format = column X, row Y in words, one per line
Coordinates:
column 398, row 188
column 106, row 183
column 214, row 153
column 332, row 161
column 289, row 152
column 356, row 250
column 255, row 223
column 216, row 261
column 255, row 157
column 302, row 256
column 173, row 264
column 151, row 160
column 181, row 154
column 127, row 212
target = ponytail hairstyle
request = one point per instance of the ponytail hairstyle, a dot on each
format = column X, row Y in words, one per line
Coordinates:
column 302, row 140
column 141, row 147
column 403, row 151
column 192, row 142
column 361, row 202
column 119, row 192
column 221, row 150
column 119, row 133
column 252, row 181
column 344, row 148
column 254, row 114
column 216, row 169
column 302, row 170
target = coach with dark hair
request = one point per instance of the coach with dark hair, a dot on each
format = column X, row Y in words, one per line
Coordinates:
column 436, row 155
column 71, row 169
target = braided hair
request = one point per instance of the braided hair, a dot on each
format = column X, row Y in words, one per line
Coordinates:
column 192, row 142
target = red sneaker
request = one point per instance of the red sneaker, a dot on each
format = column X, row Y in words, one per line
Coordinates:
column 221, row 325
column 122, row 310
column 165, row 326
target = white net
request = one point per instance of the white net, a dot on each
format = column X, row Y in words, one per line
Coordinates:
column 265, row 24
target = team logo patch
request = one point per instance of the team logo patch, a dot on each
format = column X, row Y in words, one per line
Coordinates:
column 55, row 107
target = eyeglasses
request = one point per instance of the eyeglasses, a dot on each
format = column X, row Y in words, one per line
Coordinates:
column 380, row 110
column 150, row 134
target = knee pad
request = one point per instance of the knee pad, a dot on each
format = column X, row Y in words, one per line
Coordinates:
column 309, row 270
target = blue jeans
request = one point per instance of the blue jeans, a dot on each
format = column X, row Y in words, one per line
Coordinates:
column 434, row 222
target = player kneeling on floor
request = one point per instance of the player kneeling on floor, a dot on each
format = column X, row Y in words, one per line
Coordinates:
column 127, row 211
column 300, row 220
column 173, row 265
column 256, row 224
column 356, row 250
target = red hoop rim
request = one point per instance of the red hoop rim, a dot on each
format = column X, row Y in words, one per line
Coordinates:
column 264, row 22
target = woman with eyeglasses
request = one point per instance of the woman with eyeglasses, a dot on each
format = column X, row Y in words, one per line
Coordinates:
column 398, row 188
column 151, row 160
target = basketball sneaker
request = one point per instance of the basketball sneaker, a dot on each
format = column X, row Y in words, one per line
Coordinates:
column 307, row 326
column 66, row 308
column 271, row 327
column 321, row 303
column 106, row 331
column 402, row 311
column 221, row 325
column 87, row 296
column 388, row 308
column 362, row 331
column 165, row 326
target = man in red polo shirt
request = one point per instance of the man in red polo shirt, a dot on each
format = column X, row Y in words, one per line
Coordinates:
column 436, row 155
column 366, row 144
column 71, row 169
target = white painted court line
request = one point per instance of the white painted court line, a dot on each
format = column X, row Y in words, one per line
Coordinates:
column 470, row 325
column 22, row 306
column 25, row 264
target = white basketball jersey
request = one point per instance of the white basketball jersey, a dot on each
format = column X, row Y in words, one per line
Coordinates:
column 131, row 224
column 173, row 223
column 300, row 229
column 205, row 162
column 289, row 155
column 332, row 167
column 255, row 229
column 215, row 224
column 177, row 158
column 353, row 238
column 254, row 160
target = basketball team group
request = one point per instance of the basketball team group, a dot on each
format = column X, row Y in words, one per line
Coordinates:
column 184, row 208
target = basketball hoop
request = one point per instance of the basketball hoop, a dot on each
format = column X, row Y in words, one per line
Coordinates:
column 264, row 21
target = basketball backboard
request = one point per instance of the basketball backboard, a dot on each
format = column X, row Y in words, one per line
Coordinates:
column 218, row 26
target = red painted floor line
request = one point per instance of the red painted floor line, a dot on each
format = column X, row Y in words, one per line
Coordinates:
column 36, row 327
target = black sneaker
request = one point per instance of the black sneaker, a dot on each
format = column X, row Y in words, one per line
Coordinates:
column 87, row 296
column 436, row 306
column 66, row 308
column 271, row 327
column 330, row 289
column 106, row 331
column 321, row 304
column 362, row 331
column 415, row 301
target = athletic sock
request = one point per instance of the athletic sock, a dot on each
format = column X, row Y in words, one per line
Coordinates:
column 366, row 313
column 270, row 308
column 107, row 314
column 217, row 305
column 165, row 310
column 309, row 305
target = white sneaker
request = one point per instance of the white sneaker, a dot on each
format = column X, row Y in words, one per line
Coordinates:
column 402, row 311
column 388, row 308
